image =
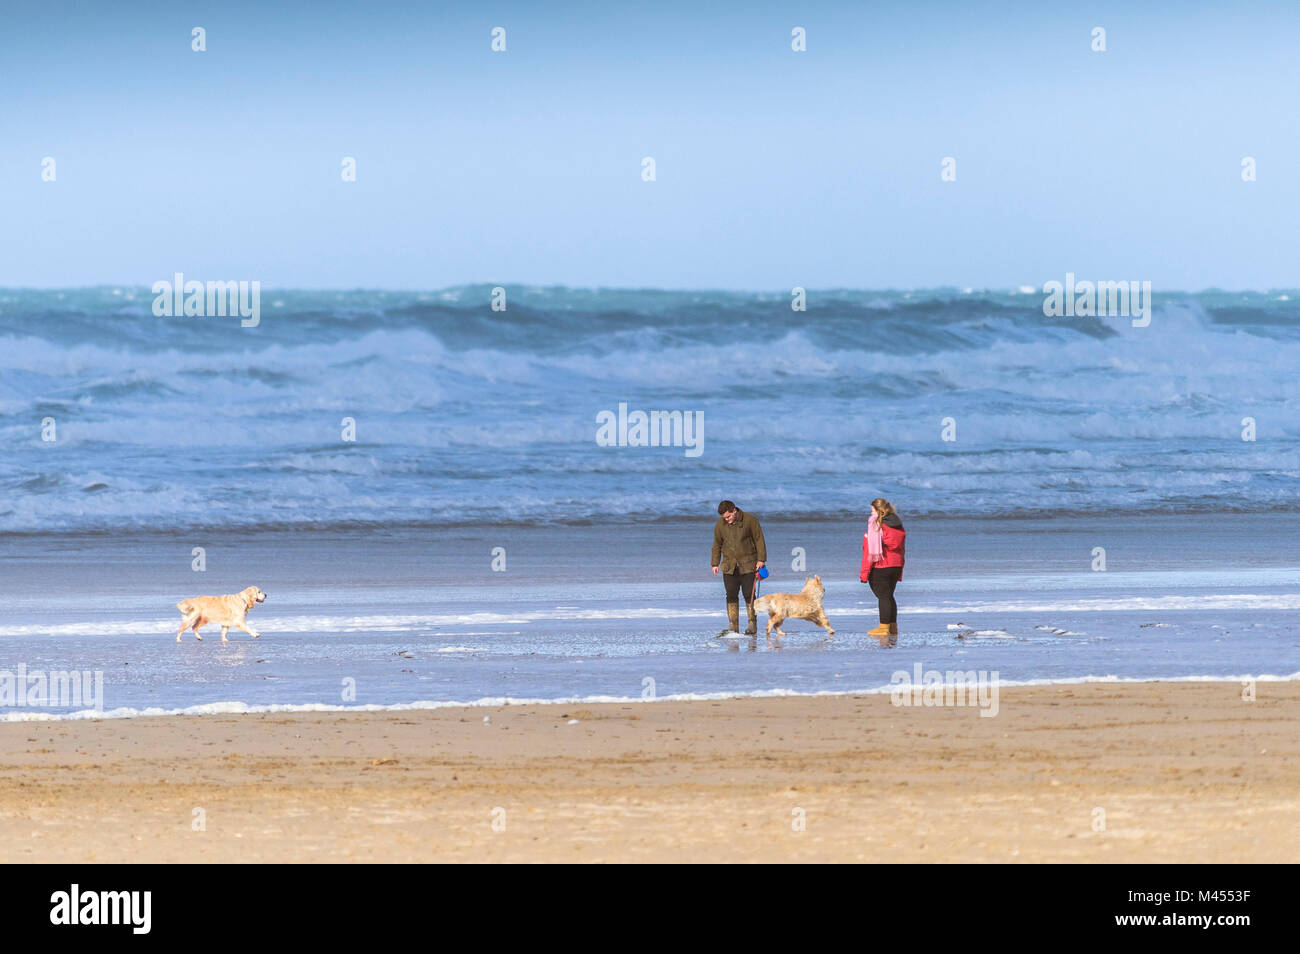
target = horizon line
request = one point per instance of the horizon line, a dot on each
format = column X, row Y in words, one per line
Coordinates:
column 560, row 286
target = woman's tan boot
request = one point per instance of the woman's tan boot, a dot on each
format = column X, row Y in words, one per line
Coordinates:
column 881, row 630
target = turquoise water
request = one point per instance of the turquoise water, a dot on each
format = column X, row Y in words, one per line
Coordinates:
column 365, row 457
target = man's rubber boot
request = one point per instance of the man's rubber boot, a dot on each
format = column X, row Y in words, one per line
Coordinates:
column 733, row 617
column 752, row 629
column 893, row 629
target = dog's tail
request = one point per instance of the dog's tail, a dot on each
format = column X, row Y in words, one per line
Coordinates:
column 185, row 606
column 761, row 604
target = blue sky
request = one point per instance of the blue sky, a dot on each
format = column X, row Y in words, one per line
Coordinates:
column 774, row 168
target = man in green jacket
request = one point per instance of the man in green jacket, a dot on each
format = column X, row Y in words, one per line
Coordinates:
column 740, row 552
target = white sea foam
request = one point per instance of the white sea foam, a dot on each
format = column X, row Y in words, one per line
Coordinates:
column 1057, row 418
column 1222, row 601
column 486, row 632
column 412, row 622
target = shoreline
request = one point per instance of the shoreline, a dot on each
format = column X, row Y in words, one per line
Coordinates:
column 1184, row 771
column 17, row 715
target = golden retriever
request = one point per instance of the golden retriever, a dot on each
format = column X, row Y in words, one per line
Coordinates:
column 803, row 605
column 225, row 611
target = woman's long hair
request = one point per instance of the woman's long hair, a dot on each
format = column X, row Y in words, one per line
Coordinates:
column 883, row 508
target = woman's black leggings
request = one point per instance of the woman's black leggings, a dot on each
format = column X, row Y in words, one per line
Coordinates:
column 882, row 580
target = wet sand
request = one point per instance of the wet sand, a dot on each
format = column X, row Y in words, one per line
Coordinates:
column 1153, row 772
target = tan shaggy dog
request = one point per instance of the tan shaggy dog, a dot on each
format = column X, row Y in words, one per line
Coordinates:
column 803, row 605
column 225, row 611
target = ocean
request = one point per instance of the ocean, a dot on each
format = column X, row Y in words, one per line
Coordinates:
column 422, row 486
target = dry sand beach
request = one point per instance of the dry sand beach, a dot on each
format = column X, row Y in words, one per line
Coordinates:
column 1184, row 772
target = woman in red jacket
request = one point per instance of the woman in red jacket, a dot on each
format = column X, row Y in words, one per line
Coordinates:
column 882, row 565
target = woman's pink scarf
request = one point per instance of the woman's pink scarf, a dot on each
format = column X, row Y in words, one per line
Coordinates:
column 875, row 545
